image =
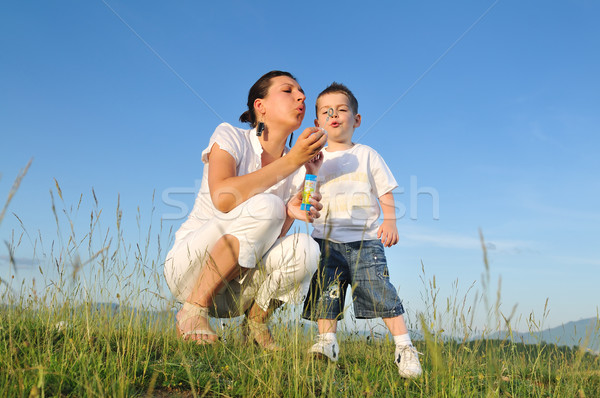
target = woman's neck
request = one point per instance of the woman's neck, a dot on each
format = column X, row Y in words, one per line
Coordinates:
column 273, row 144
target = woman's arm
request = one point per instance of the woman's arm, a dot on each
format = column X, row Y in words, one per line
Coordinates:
column 228, row 190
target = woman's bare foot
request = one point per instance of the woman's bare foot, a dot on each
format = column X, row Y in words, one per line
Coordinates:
column 261, row 335
column 193, row 324
column 258, row 330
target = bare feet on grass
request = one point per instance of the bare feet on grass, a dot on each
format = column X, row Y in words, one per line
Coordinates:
column 193, row 324
column 257, row 326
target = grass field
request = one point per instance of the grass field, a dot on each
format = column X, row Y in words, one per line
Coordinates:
column 127, row 353
column 55, row 340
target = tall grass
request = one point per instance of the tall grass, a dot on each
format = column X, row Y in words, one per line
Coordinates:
column 56, row 340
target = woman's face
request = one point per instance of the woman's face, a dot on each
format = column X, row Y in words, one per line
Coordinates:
column 283, row 106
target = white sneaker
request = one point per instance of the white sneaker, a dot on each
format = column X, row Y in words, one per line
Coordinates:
column 325, row 348
column 407, row 359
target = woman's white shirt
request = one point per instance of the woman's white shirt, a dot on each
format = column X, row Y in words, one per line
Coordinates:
column 244, row 146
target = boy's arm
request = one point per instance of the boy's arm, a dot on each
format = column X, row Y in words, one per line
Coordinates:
column 387, row 232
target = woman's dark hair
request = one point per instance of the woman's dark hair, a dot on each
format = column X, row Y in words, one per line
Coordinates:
column 260, row 89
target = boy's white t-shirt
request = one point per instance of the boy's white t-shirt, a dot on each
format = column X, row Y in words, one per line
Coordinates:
column 351, row 182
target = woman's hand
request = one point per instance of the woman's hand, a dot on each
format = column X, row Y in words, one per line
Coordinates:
column 308, row 145
column 293, row 207
column 313, row 165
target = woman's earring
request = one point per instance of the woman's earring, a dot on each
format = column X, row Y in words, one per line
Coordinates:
column 260, row 128
column 291, row 138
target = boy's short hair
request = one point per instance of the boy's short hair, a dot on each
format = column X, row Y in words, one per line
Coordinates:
column 339, row 88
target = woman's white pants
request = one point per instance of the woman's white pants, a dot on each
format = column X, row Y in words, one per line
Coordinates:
column 277, row 268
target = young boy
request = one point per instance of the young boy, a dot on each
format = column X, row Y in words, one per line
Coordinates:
column 352, row 179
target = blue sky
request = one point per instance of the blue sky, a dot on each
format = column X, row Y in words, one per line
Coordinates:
column 488, row 109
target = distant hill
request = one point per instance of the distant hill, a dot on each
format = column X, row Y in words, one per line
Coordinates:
column 583, row 333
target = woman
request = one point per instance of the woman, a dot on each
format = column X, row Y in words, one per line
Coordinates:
column 231, row 256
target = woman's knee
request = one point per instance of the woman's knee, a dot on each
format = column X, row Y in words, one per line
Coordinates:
column 307, row 249
column 267, row 208
column 229, row 244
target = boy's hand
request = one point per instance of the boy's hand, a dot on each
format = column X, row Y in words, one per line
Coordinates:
column 294, row 211
column 388, row 233
column 313, row 165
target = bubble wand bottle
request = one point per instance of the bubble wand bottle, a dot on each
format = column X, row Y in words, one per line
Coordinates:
column 310, row 181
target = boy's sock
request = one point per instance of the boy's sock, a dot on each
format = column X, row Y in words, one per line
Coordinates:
column 402, row 339
column 326, row 346
column 328, row 336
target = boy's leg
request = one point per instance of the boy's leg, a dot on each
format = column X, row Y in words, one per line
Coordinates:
column 396, row 325
column 326, row 344
column 406, row 356
column 325, row 302
column 326, row 341
column 327, row 326
column 375, row 296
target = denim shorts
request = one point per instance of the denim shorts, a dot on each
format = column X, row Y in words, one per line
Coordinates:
column 360, row 265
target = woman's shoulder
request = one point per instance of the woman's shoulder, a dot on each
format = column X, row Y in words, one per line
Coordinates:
column 231, row 139
column 228, row 128
column 231, row 133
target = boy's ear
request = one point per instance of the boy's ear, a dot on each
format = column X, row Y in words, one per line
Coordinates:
column 317, row 123
column 357, row 120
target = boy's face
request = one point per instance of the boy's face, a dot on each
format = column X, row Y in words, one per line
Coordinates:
column 342, row 122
